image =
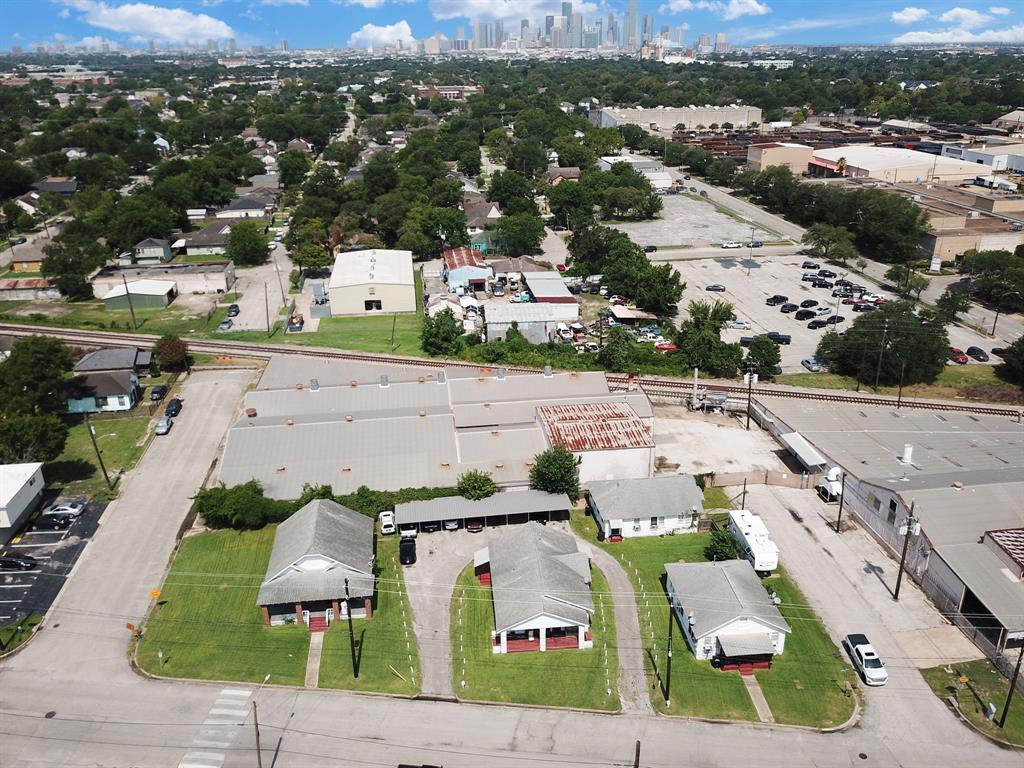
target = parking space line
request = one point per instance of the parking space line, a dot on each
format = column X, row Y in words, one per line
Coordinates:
column 10, row 601
column 15, row 586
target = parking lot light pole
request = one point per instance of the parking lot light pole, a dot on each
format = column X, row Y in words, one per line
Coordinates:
column 999, row 305
column 842, row 493
column 750, row 379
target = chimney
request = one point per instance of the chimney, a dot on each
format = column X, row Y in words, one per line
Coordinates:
column 314, row 385
column 384, row 383
column 547, row 371
column 908, row 453
column 501, row 374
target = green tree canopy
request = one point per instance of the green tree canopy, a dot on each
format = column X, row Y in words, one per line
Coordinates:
column 441, row 333
column 556, row 471
column 247, row 246
column 476, row 485
column 33, row 378
column 762, row 357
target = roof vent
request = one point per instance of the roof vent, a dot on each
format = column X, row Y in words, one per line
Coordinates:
column 314, row 385
column 487, row 405
column 445, row 465
column 908, row 453
column 250, row 412
column 384, row 382
column 547, row 371
column 422, row 379
column 290, row 423
column 958, row 485
column 298, row 386
column 353, row 383
column 499, row 466
column 423, row 413
column 494, row 432
column 281, row 468
column 501, row 374
column 348, row 417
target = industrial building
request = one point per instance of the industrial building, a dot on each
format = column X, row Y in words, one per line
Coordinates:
column 390, row 427
column 892, row 164
column 652, row 169
column 140, row 294
column 787, row 154
column 201, row 277
column 538, row 322
column 667, row 118
column 963, row 476
column 21, row 486
column 375, row 280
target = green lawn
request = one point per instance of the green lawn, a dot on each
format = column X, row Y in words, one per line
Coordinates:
column 799, row 684
column 207, row 623
column 984, row 686
column 716, row 498
column 18, row 633
column 563, row 678
column 121, row 442
column 386, row 649
column 175, row 319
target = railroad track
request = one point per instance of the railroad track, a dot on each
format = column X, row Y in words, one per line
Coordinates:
column 652, row 385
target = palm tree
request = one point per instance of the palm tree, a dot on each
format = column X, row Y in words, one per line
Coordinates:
column 705, row 315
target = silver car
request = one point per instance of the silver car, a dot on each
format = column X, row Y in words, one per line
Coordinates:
column 811, row 364
column 164, row 425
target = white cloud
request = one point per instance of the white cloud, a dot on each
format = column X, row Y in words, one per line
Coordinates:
column 64, row 13
column 769, row 32
column 729, row 9
column 285, row 2
column 145, row 21
column 377, row 36
column 675, row 6
column 909, row 15
column 1006, row 35
column 999, row 10
column 736, row 8
column 370, row 3
column 964, row 18
column 489, row 10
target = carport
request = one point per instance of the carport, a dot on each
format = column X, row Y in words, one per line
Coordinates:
column 505, row 508
column 803, row 450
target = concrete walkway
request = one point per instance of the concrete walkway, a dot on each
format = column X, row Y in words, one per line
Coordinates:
column 632, row 677
column 764, row 712
column 316, row 647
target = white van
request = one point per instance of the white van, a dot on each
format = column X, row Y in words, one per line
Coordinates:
column 387, row 522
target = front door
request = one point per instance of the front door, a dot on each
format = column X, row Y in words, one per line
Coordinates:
column 330, row 616
column 305, row 618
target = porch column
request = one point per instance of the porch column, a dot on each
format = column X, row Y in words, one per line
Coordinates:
column 504, row 642
column 543, row 639
column 336, row 607
column 298, row 613
column 581, row 634
column 266, row 615
column 368, row 603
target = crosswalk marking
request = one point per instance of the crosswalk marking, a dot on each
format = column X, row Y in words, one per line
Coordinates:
column 235, row 692
column 219, row 729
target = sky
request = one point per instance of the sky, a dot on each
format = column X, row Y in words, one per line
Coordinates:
column 363, row 23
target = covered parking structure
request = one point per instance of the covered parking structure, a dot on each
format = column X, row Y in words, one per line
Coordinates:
column 506, row 508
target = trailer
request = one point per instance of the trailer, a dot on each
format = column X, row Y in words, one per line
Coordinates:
column 754, row 541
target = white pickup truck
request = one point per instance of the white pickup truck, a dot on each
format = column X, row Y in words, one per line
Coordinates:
column 866, row 660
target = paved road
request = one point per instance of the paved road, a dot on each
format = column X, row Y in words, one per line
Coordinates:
column 554, row 248
column 253, row 301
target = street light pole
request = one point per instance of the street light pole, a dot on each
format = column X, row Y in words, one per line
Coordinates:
column 668, row 671
column 842, row 494
column 128, row 295
column 256, row 722
column 351, row 632
column 999, row 306
column 899, row 397
column 750, row 379
column 911, row 525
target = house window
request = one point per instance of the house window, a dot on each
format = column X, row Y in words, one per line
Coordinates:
column 892, row 512
column 102, row 402
column 874, row 502
column 122, row 401
column 654, row 523
column 370, row 305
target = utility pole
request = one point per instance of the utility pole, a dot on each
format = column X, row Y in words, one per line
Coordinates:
column 912, row 527
column 351, row 633
column 668, row 671
column 1009, row 693
column 256, row 723
column 131, row 308
column 881, row 348
column 394, row 320
column 899, row 397
column 743, row 498
column 636, row 755
column 842, row 493
column 750, row 379
column 266, row 305
column 99, row 456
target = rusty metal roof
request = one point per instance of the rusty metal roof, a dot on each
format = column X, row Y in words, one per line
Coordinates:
column 595, row 426
column 1011, row 541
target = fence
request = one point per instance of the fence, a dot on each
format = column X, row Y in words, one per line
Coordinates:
column 765, row 477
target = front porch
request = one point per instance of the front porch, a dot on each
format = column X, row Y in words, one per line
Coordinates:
column 317, row 615
column 542, row 639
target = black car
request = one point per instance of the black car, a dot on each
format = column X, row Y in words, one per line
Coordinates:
column 826, row 273
column 777, row 299
column 809, row 265
column 821, row 284
column 158, row 393
column 835, row 320
column 756, row 243
column 715, row 288
column 594, row 289
column 173, row 407
column 407, row 551
column 233, row 310
column 787, row 308
column 745, row 341
column 816, row 324
column 843, row 293
column 843, row 282
column 53, row 522
column 650, row 248
column 779, row 338
column 804, row 314
column 806, row 303
column 20, row 240
column 977, row 353
column 431, row 527
column 18, row 563
column 999, row 351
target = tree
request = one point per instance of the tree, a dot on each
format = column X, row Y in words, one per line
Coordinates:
column 721, row 171
column 506, row 187
column 1012, row 367
column 703, row 349
column 528, row 158
column 31, row 437
column 137, row 217
column 762, row 357
column 476, row 485
column 556, row 471
column 907, row 280
column 951, row 303
column 246, row 245
column 311, row 256
column 519, row 234
column 722, row 547
column 440, row 334
column 617, row 350
column 830, row 242
column 171, row 353
column 33, row 377
column 705, row 315
column 660, row 290
column 469, row 162
column 68, row 262
column 292, row 165
column 917, row 284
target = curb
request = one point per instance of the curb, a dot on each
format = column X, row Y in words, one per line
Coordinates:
column 955, row 708
column 542, row 707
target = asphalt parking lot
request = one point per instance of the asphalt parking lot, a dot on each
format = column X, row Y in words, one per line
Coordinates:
column 750, row 282
column 688, row 220
column 23, row 593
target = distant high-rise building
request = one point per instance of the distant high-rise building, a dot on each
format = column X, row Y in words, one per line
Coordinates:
column 678, row 33
column 105, row 47
column 231, row 46
column 721, row 43
column 152, row 46
column 211, row 45
column 648, row 30
column 663, row 32
column 524, row 25
column 576, row 31
column 704, row 44
column 16, row 50
column 499, row 34
column 567, row 10
column 631, row 21
column 549, row 23
column 284, row 45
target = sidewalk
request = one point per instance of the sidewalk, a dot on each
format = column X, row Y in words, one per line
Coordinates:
column 316, row 647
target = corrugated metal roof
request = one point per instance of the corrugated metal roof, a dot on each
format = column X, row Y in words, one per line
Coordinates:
column 289, row 371
column 546, row 285
column 530, row 386
column 376, row 266
column 595, row 426
column 141, row 288
column 500, row 504
column 455, row 258
column 990, row 581
column 348, row 399
column 803, row 450
column 1011, row 541
column 530, row 312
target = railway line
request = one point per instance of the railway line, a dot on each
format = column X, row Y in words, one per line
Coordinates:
column 652, row 385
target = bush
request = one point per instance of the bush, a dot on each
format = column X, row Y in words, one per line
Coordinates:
column 476, row 485
column 722, row 547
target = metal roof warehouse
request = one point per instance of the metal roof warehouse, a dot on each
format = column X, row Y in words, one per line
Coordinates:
column 511, row 504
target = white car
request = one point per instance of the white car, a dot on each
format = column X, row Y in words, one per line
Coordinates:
column 647, row 337
column 739, row 325
column 821, row 311
column 72, row 508
column 731, row 244
column 811, row 364
column 409, row 531
column 387, row 522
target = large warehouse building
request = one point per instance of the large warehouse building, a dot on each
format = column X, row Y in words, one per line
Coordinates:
column 891, row 164
column 376, row 280
column 388, row 427
column 964, row 475
column 667, row 118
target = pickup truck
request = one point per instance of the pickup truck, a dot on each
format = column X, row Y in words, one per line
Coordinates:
column 866, row 660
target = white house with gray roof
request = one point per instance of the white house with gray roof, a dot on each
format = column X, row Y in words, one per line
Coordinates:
column 540, row 586
column 649, row 506
column 725, row 612
column 321, row 567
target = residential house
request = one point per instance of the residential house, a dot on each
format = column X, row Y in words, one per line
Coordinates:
column 127, row 359
column 152, row 251
column 515, row 266
column 254, row 205
column 321, row 568
column 725, row 613
column 465, row 270
column 65, row 186
column 540, row 588
column 650, row 506
column 211, row 240
column 75, row 153
column 162, row 144
column 29, row 202
column 300, row 145
column 478, row 217
column 103, row 391
column 557, row 175
column 442, row 301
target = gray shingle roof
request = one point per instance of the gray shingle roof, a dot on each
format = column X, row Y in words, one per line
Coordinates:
column 664, row 496
column 120, row 359
column 326, row 529
column 100, row 384
column 539, row 570
column 722, row 592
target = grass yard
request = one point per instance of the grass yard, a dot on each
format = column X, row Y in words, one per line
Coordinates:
column 563, row 678
column 985, row 685
column 18, row 633
column 207, row 623
column 121, row 442
column 385, row 644
column 800, row 687
column 716, row 498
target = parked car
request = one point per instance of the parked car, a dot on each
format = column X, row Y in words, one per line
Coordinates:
column 731, row 243
column 407, row 551
column 850, row 300
column 163, row 426
column 804, row 314
column 999, row 351
column 821, row 284
column 739, row 325
column 826, row 273
column 387, row 522
column 650, row 248
column 475, row 525
column 233, row 310
column 20, row 240
column 867, row 661
column 836, row 320
column 715, row 288
column 821, row 311
column 811, row 364
column 978, row 354
column 158, row 393
column 864, row 306
column 778, row 298
column 408, row 531
column 72, row 508
column 809, row 277
column 958, row 356
column 451, row 525
column 225, row 324
column 842, row 293
column 787, row 308
column 807, row 303
column 592, row 346
column 173, row 407
column 809, row 265
column 755, row 243
column 746, row 341
column 53, row 522
column 816, row 324
column 779, row 338
column 18, row 563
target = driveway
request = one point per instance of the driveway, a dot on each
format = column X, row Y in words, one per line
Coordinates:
column 254, row 299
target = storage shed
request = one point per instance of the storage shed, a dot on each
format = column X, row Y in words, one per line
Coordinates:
column 145, row 294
